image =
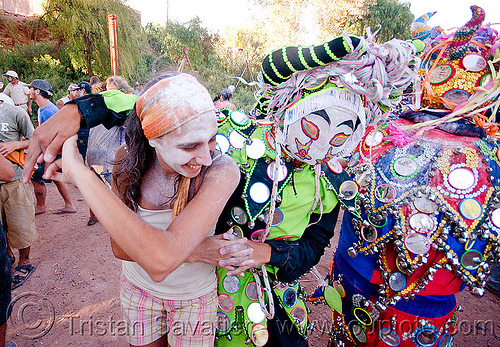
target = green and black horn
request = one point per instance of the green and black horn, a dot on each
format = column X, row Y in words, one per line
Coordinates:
column 280, row 64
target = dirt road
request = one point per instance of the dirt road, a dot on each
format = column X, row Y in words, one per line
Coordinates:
column 72, row 299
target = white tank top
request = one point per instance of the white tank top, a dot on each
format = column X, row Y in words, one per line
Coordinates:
column 188, row 281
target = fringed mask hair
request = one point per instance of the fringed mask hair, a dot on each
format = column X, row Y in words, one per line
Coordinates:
column 321, row 97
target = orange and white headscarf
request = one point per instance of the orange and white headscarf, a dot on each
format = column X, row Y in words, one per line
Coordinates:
column 170, row 103
column 167, row 105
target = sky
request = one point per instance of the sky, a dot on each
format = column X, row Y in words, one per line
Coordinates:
column 217, row 14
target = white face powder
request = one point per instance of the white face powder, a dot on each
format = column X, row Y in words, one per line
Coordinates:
column 185, row 149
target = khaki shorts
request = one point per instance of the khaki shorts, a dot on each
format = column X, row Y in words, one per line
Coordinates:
column 17, row 208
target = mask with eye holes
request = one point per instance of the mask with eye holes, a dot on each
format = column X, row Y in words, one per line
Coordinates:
column 324, row 125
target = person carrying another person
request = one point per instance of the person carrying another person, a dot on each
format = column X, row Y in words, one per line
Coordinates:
column 18, row 91
column 40, row 91
column 173, row 185
column 17, row 208
column 223, row 100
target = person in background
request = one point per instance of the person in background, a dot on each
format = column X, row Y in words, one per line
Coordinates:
column 119, row 83
column 4, row 97
column 102, row 142
column 223, row 100
column 93, row 80
column 84, row 88
column 40, row 91
column 139, row 87
column 73, row 92
column 6, row 174
column 17, row 208
column 99, row 87
column 18, row 91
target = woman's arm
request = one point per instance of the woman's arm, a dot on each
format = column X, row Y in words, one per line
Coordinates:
column 158, row 252
column 214, row 250
column 118, row 252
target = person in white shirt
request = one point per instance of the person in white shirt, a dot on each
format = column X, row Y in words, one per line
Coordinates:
column 18, row 91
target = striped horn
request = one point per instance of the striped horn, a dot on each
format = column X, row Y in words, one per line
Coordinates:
column 460, row 41
column 280, row 64
column 419, row 28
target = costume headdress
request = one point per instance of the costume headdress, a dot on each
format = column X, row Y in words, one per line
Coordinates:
column 170, row 103
column 419, row 28
column 459, row 73
column 345, row 75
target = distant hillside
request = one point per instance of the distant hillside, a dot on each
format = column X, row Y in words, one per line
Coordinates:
column 17, row 29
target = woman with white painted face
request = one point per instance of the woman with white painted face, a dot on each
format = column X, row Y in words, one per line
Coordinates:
column 170, row 175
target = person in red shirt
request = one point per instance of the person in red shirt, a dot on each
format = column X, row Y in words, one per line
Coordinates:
column 223, row 100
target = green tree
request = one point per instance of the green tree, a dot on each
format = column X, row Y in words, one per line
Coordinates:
column 393, row 16
column 240, row 52
column 191, row 36
column 283, row 20
column 83, row 24
column 340, row 16
column 216, row 59
column 49, row 61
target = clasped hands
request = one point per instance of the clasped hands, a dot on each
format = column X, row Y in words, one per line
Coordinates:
column 231, row 253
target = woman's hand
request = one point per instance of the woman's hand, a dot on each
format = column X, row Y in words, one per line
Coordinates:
column 261, row 255
column 226, row 251
column 71, row 160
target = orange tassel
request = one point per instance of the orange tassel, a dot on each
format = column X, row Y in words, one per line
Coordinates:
column 182, row 196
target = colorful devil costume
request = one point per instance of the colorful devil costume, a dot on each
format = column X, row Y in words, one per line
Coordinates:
column 426, row 222
column 312, row 117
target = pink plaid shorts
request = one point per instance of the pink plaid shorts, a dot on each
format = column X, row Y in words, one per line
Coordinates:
column 185, row 322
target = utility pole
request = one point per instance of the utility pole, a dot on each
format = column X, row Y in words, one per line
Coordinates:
column 113, row 44
column 167, row 9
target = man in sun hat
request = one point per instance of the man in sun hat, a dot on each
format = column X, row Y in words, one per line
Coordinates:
column 18, row 91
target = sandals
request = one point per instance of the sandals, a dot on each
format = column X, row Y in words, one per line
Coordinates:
column 18, row 280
